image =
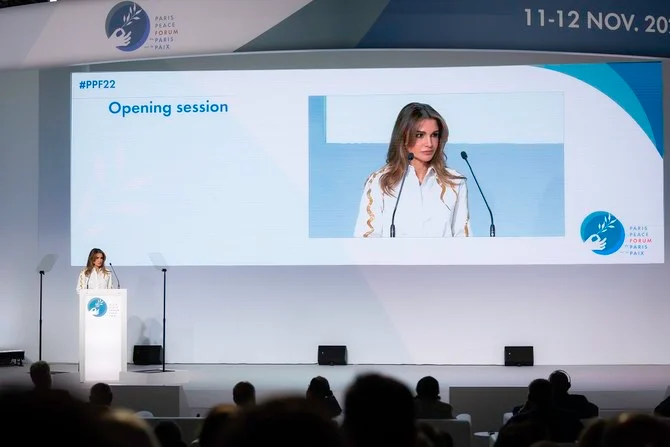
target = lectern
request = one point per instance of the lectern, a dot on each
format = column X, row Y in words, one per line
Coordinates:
column 103, row 350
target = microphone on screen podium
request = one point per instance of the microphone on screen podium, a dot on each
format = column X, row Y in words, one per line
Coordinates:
column 492, row 231
column 117, row 278
column 410, row 157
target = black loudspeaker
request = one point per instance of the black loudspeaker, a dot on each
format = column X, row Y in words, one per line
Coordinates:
column 148, row 355
column 519, row 356
column 332, row 355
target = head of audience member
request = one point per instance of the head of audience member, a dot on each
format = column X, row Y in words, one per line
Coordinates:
column 560, row 382
column 319, row 388
column 124, row 428
column 40, row 374
column 289, row 421
column 636, row 430
column 322, row 398
column 428, row 388
column 169, row 434
column 540, row 394
column 593, row 433
column 379, row 411
column 51, row 418
column 101, row 395
column 244, row 394
column 215, row 424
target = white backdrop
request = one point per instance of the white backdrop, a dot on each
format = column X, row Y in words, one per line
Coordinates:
column 385, row 315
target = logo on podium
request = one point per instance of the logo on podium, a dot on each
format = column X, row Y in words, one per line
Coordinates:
column 97, row 307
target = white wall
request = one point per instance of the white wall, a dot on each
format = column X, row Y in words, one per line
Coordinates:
column 386, row 315
column 19, row 280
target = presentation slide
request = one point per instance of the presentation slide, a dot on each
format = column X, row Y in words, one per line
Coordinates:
column 551, row 164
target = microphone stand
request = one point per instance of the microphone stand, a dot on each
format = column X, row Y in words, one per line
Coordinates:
column 164, row 270
column 410, row 157
column 40, row 336
column 118, row 283
column 492, row 229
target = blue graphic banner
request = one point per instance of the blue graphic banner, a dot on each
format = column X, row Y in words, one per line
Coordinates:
column 623, row 27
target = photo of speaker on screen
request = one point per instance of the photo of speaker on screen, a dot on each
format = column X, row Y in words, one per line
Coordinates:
column 428, row 198
column 95, row 275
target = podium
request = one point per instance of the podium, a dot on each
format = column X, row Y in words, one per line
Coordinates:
column 103, row 323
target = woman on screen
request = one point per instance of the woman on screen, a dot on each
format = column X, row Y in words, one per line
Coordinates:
column 95, row 275
column 434, row 199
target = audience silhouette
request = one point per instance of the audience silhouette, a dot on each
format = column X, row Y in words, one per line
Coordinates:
column 379, row 411
column 540, row 420
column 321, row 396
column 427, row 402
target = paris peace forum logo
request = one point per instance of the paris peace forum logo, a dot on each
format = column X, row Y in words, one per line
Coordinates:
column 127, row 26
column 97, row 307
column 603, row 233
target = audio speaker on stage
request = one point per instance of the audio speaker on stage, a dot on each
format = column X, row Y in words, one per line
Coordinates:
column 519, row 356
column 332, row 355
column 148, row 355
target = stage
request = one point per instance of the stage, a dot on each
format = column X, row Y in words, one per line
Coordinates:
column 484, row 392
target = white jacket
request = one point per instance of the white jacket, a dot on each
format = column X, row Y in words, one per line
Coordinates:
column 429, row 209
column 96, row 280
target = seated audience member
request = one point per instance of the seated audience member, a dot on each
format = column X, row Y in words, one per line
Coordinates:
column 379, row 412
column 320, row 394
column 540, row 420
column 281, row 422
column 636, row 430
column 169, row 434
column 124, row 428
column 521, row 434
column 244, row 394
column 214, row 426
column 40, row 374
column 29, row 419
column 100, row 397
column 576, row 403
column 427, row 401
column 593, row 433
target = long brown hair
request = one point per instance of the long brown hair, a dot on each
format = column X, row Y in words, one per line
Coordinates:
column 404, row 136
column 91, row 259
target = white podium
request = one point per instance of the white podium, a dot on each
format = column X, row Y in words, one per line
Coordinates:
column 103, row 322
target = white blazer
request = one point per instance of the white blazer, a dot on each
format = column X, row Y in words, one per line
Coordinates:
column 429, row 209
column 96, row 280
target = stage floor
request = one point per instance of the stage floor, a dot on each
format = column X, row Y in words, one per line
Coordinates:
column 291, row 378
column 611, row 387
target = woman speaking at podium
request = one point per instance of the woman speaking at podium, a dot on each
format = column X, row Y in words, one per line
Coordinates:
column 95, row 275
column 427, row 198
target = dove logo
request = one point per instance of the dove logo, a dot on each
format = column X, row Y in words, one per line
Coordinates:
column 602, row 233
column 127, row 26
column 97, row 307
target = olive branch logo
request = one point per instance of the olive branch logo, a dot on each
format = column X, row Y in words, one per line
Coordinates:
column 132, row 16
column 608, row 222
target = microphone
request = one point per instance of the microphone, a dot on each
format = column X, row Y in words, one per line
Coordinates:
column 410, row 157
column 492, row 231
column 117, row 278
